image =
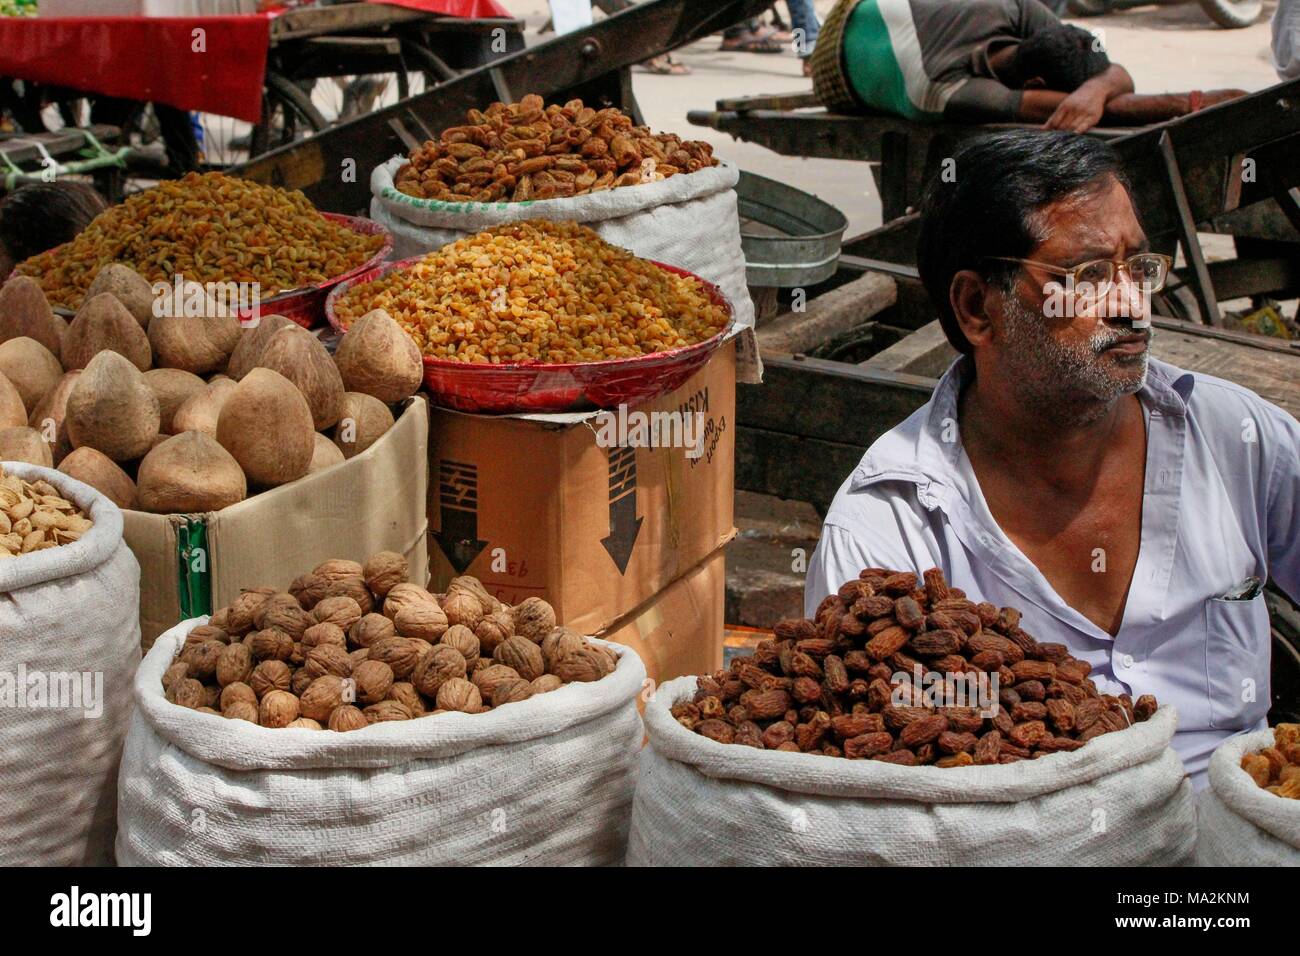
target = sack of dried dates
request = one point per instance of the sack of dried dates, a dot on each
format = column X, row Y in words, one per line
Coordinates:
column 69, row 643
column 659, row 197
column 1250, row 813
column 355, row 770
column 907, row 725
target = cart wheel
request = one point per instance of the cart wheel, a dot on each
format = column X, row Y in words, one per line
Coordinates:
column 292, row 105
column 1233, row 14
column 1088, row 8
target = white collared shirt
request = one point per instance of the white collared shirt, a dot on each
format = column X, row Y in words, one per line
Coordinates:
column 1221, row 503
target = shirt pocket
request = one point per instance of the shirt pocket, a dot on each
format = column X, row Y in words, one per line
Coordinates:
column 1237, row 662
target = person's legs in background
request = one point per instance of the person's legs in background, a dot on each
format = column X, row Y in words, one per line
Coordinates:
column 803, row 17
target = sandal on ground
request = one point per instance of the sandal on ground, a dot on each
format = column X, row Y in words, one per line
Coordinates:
column 665, row 66
column 752, row 43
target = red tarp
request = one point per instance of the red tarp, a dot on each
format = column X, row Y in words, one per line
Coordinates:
column 155, row 59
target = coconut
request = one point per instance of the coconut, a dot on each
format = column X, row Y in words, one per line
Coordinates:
column 364, row 419
column 194, row 343
column 266, row 425
column 104, row 323
column 173, row 387
column 128, row 287
column 189, row 473
column 378, row 358
column 324, row 455
column 25, row 444
column 251, row 343
column 200, row 411
column 112, row 409
column 24, row 311
column 48, row 417
column 299, row 356
column 12, row 410
column 101, row 473
column 31, row 367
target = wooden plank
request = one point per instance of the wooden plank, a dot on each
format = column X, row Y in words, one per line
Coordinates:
column 1202, row 284
column 20, row 148
column 829, row 315
column 319, row 21
column 792, row 466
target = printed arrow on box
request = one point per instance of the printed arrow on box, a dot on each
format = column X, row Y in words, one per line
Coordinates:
column 458, row 507
column 624, row 525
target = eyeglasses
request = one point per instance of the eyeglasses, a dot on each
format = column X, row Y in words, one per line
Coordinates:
column 1147, row 270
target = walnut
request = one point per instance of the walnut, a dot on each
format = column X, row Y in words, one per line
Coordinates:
column 211, row 695
column 328, row 659
column 461, row 607
column 374, row 679
column 559, row 644
column 240, row 615
column 459, row 694
column 236, row 692
column 299, row 654
column 337, row 570
column 511, row 691
column 462, row 639
column 359, row 655
column 399, row 653
column 340, row 610
column 269, row 676
column 486, row 680
column 202, row 658
column 546, row 683
column 234, row 663
column 370, row 628
column 384, row 571
column 425, row 621
column 309, row 589
column 406, row 694
column 279, row 709
column 178, row 671
column 300, row 682
column 346, row 717
column 220, row 618
column 242, row 710
column 187, row 692
column 521, row 654
column 206, row 632
column 439, row 666
column 208, row 710
column 271, row 644
column 354, row 588
column 386, row 710
column 534, row 619
column 472, row 585
column 585, row 664
column 325, row 633
column 304, row 723
column 282, row 611
column 494, row 629
column 322, row 696
column 406, row 595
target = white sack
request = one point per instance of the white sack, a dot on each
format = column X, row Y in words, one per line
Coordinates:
column 690, row 221
column 548, row 780
column 1124, row 799
column 69, row 621
column 1240, row 824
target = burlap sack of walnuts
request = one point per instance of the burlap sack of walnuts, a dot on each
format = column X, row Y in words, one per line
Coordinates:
column 66, row 612
column 689, row 221
column 544, row 781
column 1124, row 799
column 1238, row 822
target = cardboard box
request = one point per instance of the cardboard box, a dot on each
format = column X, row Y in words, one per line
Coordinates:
column 543, row 506
column 193, row 564
column 680, row 630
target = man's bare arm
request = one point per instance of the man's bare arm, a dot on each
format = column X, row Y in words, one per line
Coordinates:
column 1124, row 109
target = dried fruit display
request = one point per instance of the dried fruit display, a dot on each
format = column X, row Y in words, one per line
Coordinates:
column 538, row 291
column 527, row 150
column 208, row 228
column 1277, row 768
column 350, row 645
column 34, row 516
column 865, row 680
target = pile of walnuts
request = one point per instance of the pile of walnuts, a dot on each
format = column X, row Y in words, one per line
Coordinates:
column 1277, row 768
column 845, row 684
column 349, row 645
column 526, row 150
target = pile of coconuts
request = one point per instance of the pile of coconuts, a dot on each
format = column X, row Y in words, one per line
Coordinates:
column 188, row 414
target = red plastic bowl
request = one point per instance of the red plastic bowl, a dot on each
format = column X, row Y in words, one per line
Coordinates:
column 305, row 305
column 540, row 387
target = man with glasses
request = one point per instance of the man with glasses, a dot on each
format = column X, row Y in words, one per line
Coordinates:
column 1129, row 508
